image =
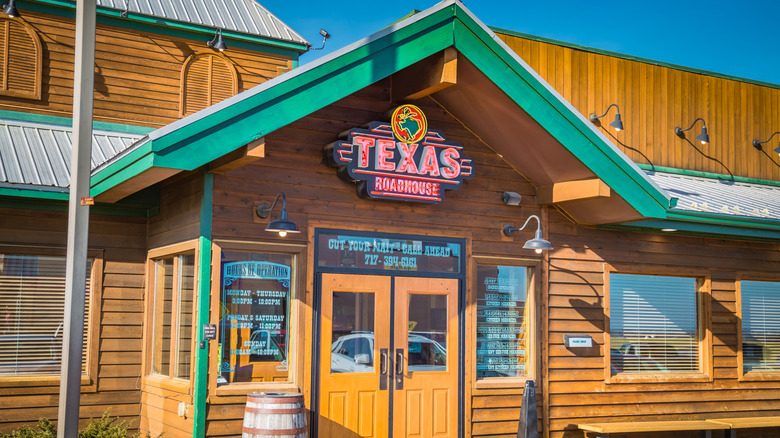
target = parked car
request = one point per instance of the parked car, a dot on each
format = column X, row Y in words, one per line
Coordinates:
column 354, row 353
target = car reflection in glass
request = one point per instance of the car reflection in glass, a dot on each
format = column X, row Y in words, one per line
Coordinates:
column 354, row 353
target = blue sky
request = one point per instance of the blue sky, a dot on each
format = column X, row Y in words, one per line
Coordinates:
column 739, row 38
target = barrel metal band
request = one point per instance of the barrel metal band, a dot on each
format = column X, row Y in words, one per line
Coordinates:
column 274, row 431
column 275, row 411
column 277, row 400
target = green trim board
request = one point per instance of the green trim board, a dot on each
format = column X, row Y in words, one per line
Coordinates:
column 631, row 58
column 35, row 193
column 67, row 121
column 203, row 302
column 688, row 228
column 164, row 26
column 718, row 176
column 194, row 141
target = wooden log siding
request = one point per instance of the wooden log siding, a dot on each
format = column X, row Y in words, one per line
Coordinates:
column 123, row 241
column 294, row 165
column 654, row 99
column 576, row 388
column 137, row 74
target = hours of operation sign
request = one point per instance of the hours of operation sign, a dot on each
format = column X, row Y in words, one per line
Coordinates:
column 501, row 328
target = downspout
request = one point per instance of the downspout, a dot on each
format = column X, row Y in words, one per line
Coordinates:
column 204, row 295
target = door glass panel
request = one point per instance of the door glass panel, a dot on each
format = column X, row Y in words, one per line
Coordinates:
column 427, row 340
column 352, row 347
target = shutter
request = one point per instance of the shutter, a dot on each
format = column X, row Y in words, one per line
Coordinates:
column 653, row 324
column 21, row 70
column 760, row 325
column 195, row 87
column 207, row 79
column 222, row 83
column 32, row 301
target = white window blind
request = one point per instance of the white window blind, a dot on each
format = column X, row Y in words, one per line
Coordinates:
column 32, row 302
column 760, row 325
column 653, row 324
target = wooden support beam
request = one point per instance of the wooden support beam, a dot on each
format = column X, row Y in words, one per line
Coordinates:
column 572, row 191
column 139, row 182
column 246, row 154
column 426, row 77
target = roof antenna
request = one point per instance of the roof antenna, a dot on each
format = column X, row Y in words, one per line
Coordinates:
column 325, row 36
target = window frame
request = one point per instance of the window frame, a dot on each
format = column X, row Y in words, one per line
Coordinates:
column 297, row 310
column 90, row 376
column 750, row 376
column 534, row 281
column 703, row 325
column 158, row 380
column 38, row 85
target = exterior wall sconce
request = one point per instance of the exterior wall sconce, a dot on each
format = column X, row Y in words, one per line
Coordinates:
column 325, row 37
column 703, row 137
column 217, row 43
column 538, row 243
column 757, row 144
column 281, row 225
column 10, row 9
column 617, row 124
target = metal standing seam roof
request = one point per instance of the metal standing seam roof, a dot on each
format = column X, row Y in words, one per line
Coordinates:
column 38, row 154
column 720, row 196
column 244, row 16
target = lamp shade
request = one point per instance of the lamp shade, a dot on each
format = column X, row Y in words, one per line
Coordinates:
column 538, row 243
column 618, row 123
column 10, row 9
column 703, row 137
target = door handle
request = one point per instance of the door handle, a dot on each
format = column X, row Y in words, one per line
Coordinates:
column 399, row 368
column 383, row 367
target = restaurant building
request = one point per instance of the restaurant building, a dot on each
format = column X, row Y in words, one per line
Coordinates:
column 408, row 230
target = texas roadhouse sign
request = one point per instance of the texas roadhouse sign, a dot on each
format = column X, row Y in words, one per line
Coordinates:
column 401, row 159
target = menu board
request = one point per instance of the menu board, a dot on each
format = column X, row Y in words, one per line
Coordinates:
column 376, row 251
column 501, row 328
column 254, row 317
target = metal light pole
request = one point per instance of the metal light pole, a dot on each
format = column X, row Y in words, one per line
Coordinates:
column 78, row 220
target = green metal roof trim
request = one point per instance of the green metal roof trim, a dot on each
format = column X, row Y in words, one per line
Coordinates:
column 196, row 140
column 632, row 58
column 67, row 121
column 179, row 29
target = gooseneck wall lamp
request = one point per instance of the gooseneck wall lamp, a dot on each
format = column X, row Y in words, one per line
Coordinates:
column 10, row 9
column 703, row 137
column 617, row 124
column 538, row 243
column 281, row 225
column 217, row 42
column 757, row 144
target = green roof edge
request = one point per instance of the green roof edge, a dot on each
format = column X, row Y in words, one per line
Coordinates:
column 323, row 84
column 720, row 176
column 633, row 58
column 67, row 121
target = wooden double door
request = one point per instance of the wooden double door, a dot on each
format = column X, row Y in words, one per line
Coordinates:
column 388, row 357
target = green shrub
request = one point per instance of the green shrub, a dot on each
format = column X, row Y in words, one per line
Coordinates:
column 104, row 427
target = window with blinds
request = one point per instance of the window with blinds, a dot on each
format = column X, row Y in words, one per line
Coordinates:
column 760, row 325
column 653, row 324
column 207, row 78
column 172, row 315
column 20, row 60
column 32, row 301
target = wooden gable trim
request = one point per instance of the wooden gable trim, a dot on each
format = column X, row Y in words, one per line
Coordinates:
column 21, row 58
column 572, row 191
column 248, row 153
column 427, row 77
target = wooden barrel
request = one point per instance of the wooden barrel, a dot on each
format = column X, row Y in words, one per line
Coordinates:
column 275, row 415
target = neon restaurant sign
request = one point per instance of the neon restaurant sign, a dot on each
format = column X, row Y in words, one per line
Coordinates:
column 401, row 159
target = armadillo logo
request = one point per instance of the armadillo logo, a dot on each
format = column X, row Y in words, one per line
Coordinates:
column 400, row 160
